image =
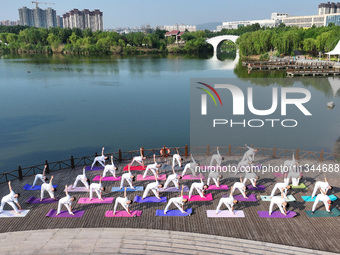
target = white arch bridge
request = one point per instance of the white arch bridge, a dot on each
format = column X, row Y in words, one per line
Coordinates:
column 215, row 41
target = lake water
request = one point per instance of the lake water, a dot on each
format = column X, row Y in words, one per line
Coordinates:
column 54, row 107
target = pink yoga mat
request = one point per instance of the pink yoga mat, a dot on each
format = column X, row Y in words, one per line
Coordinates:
column 192, row 177
column 77, row 189
column 251, row 198
column 225, row 214
column 64, row 214
column 134, row 168
column 107, row 178
column 214, row 187
column 123, row 214
column 86, row 200
column 162, row 177
column 208, row 197
column 276, row 214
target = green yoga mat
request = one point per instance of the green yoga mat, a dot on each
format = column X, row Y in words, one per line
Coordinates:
column 290, row 198
column 301, row 186
column 324, row 213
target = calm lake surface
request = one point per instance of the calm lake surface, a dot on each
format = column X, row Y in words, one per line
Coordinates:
column 75, row 105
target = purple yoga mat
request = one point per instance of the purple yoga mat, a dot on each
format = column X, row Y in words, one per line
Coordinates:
column 139, row 199
column 77, row 189
column 192, row 177
column 64, row 214
column 276, row 214
column 214, row 187
column 36, row 200
column 86, row 200
column 258, row 187
column 123, row 214
column 107, row 178
column 251, row 198
column 173, row 189
column 95, row 168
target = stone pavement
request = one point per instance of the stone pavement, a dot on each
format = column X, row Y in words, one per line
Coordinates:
column 133, row 241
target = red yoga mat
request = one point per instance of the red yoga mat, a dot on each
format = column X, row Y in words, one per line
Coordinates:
column 134, row 168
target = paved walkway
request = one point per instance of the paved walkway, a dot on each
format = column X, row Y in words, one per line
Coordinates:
column 134, row 241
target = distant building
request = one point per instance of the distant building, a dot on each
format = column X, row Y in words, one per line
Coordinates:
column 312, row 20
column 9, row 23
column 83, row 19
column 38, row 17
column 175, row 33
column 181, row 28
column 328, row 8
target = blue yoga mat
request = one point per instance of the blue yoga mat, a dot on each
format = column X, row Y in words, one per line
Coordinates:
column 117, row 189
column 309, row 198
column 36, row 187
column 174, row 212
column 139, row 199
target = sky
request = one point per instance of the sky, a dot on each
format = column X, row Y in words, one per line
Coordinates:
column 132, row 13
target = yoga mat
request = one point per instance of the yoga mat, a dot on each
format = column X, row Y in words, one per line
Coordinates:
column 259, row 187
column 36, row 187
column 251, row 198
column 192, row 177
column 225, row 214
column 174, row 213
column 134, row 168
column 289, row 198
column 139, row 199
column 324, row 213
column 86, row 200
column 123, row 214
column 309, row 198
column 117, row 189
column 36, row 200
column 162, row 177
column 107, row 178
column 214, row 187
column 95, row 168
column 12, row 214
column 64, row 214
column 208, row 197
column 276, row 214
column 77, row 189
column 301, row 186
column 173, row 189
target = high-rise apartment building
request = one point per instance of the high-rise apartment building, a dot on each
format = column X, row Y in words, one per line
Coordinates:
column 38, row 17
column 84, row 19
column 328, row 8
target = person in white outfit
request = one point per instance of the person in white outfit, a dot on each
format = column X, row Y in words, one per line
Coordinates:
column 100, row 159
column 129, row 178
column 252, row 177
column 249, row 155
column 42, row 177
column 216, row 157
column 10, row 199
column 295, row 176
column 321, row 185
column 325, row 199
column 281, row 185
column 228, row 201
column 83, row 179
column 290, row 165
column 177, row 158
column 215, row 176
column 67, row 202
column 154, row 187
column 152, row 167
column 49, row 188
column 178, row 202
column 173, row 178
column 139, row 159
column 110, row 168
column 200, row 188
column 98, row 188
column 280, row 202
column 124, row 201
column 241, row 187
column 190, row 166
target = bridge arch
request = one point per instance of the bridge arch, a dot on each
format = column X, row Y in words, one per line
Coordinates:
column 215, row 41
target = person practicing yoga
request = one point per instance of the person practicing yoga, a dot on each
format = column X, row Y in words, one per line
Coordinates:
column 129, row 178
column 216, row 157
column 200, row 188
column 178, row 202
column 228, row 201
column 295, row 176
column 173, row 178
column 322, row 185
column 281, row 185
column 67, row 202
column 280, row 202
column 249, row 155
column 323, row 197
column 83, row 179
column 252, row 177
column 154, row 187
column 290, row 165
column 241, row 187
column 190, row 166
column 110, row 168
column 177, row 158
column 100, row 159
column 42, row 177
column 10, row 199
column 49, row 188
column 152, row 167
column 215, row 176
column 124, row 201
column 139, row 159
column 98, row 188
